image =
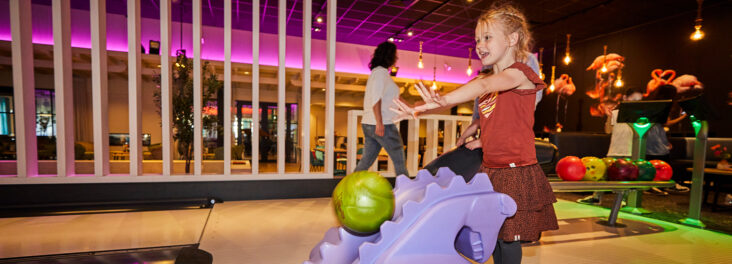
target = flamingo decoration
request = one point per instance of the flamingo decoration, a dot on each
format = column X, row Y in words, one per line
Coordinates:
column 658, row 78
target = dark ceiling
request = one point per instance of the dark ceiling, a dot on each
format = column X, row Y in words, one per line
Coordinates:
column 446, row 27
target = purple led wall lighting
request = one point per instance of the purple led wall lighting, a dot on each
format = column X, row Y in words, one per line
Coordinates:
column 351, row 58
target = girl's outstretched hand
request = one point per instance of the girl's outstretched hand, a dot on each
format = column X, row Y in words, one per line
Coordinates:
column 403, row 110
column 429, row 96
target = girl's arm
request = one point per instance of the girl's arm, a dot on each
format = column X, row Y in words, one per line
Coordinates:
column 505, row 80
column 672, row 122
column 469, row 131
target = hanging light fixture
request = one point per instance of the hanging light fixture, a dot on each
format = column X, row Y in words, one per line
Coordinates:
column 470, row 62
column 434, row 78
column 698, row 34
column 604, row 55
column 567, row 58
column 551, row 87
column 420, row 64
column 541, row 64
column 619, row 82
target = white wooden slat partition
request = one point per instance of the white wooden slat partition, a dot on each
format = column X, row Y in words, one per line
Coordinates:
column 63, row 88
column 166, row 88
column 197, row 76
column 100, row 108
column 412, row 147
column 227, row 87
column 430, row 151
column 307, row 18
column 330, row 86
column 134, row 79
column 24, row 93
column 352, row 147
column 255, row 87
column 450, row 134
column 281, row 110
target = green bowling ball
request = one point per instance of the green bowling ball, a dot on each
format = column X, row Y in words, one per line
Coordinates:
column 594, row 169
column 646, row 170
column 362, row 201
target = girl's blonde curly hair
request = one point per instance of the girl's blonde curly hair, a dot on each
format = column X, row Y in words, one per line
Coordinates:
column 511, row 20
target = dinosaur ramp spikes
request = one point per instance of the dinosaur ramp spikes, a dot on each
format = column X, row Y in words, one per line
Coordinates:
column 338, row 246
column 434, row 219
column 444, row 175
column 401, row 181
column 456, row 181
column 407, row 190
column 481, row 180
column 409, row 208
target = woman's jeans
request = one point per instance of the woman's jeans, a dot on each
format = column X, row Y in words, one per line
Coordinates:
column 391, row 141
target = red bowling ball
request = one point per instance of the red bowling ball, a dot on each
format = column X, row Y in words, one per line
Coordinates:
column 571, row 168
column 622, row 170
column 663, row 170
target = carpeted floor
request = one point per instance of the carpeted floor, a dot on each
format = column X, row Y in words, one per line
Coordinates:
column 671, row 208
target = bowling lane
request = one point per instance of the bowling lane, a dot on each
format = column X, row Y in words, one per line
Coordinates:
column 284, row 231
column 62, row 234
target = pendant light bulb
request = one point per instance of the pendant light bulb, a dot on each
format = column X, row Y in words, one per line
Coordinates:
column 420, row 64
column 567, row 58
column 541, row 65
column 551, row 87
column 698, row 34
column 470, row 62
column 619, row 83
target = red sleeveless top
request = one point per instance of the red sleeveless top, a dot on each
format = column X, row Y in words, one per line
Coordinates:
column 506, row 124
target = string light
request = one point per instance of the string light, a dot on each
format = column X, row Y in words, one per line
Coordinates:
column 541, row 64
column 698, row 34
column 434, row 78
column 319, row 19
column 551, row 87
column 619, row 82
column 604, row 55
column 410, row 33
column 470, row 62
column 420, row 64
column 567, row 58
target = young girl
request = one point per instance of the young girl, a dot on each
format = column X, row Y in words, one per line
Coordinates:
column 506, row 120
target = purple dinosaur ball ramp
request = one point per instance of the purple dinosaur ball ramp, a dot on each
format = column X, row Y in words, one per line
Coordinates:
column 435, row 218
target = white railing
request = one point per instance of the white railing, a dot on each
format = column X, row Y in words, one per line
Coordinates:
column 431, row 135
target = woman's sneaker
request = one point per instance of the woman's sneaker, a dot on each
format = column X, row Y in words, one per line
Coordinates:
column 589, row 200
column 654, row 190
column 678, row 188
